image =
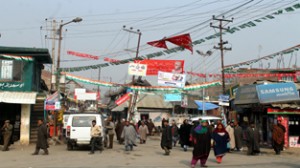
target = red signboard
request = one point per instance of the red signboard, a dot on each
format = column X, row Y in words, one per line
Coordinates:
column 285, row 123
column 283, row 111
column 153, row 66
column 123, row 99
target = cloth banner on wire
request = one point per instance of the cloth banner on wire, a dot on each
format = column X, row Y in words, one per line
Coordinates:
column 153, row 66
column 84, row 55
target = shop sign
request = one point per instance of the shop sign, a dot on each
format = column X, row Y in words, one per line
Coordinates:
column 279, row 92
column 283, row 111
column 293, row 141
column 246, row 95
column 11, row 85
column 172, row 97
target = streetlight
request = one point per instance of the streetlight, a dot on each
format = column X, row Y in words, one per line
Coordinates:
column 75, row 20
column 208, row 53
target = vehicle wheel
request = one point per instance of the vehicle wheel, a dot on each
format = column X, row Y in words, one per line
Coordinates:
column 70, row 146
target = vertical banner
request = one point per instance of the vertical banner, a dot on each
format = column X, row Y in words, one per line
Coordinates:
column 137, row 69
column 153, row 66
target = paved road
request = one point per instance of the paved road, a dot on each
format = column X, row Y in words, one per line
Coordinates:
column 147, row 155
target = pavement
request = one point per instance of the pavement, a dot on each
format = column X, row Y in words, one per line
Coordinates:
column 148, row 155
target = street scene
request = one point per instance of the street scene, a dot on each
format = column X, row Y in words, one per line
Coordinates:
column 148, row 155
column 194, row 83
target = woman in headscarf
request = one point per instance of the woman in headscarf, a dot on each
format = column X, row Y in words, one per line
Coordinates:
column 201, row 137
column 221, row 138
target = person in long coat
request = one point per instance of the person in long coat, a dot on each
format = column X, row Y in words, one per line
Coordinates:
column 150, row 126
column 166, row 138
column 230, row 130
column 42, row 142
column 238, row 136
column 184, row 134
column 7, row 130
column 252, row 139
column 119, row 129
column 129, row 135
column 220, row 139
column 175, row 134
column 143, row 131
column 278, row 132
column 201, row 139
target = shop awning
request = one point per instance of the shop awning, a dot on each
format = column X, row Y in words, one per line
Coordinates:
column 207, row 105
column 18, row 97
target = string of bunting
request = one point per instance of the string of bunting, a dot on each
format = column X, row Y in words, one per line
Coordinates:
column 241, row 75
column 141, row 88
column 271, row 56
column 232, row 30
column 20, row 58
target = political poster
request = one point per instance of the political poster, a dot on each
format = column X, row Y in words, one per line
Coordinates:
column 171, row 79
column 153, row 66
column 137, row 69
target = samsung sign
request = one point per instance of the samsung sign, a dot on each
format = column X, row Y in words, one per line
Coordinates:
column 279, row 92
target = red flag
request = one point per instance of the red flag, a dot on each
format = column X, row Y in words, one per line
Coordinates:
column 184, row 41
column 83, row 55
column 110, row 60
column 159, row 44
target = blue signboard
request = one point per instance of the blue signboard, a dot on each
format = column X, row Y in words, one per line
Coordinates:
column 172, row 97
column 279, row 92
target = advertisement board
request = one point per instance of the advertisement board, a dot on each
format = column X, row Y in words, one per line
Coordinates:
column 171, row 79
column 137, row 69
column 153, row 66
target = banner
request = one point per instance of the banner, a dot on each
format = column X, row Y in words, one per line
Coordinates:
column 171, row 79
column 153, row 66
column 123, row 98
column 137, row 69
column 86, row 96
column 78, row 54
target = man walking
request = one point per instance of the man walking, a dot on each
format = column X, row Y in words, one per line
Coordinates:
column 252, row 139
column 42, row 142
column 166, row 138
column 129, row 135
column 96, row 140
column 7, row 132
column 110, row 127
column 238, row 136
column 230, row 130
column 278, row 136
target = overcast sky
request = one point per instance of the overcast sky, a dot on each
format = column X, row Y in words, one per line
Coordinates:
column 101, row 31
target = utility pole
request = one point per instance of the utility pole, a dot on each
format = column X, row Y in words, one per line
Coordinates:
column 133, row 98
column 221, row 44
column 53, row 56
column 98, row 90
column 208, row 53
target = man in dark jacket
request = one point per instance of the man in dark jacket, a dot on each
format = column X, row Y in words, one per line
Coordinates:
column 7, row 132
column 184, row 132
column 42, row 142
column 166, row 138
column 252, row 139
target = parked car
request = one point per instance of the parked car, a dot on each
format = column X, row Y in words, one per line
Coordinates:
column 78, row 128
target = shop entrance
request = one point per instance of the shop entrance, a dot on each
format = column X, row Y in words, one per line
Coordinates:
column 11, row 112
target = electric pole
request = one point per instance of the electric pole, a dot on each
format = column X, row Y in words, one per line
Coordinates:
column 133, row 98
column 221, row 44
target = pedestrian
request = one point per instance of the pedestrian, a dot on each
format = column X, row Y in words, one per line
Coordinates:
column 166, row 138
column 129, row 135
column 96, row 141
column 175, row 134
column 230, row 130
column 42, row 142
column 238, row 136
column 278, row 132
column 201, row 139
column 110, row 131
column 220, row 139
column 143, row 131
column 119, row 129
column 7, row 130
column 150, row 126
column 252, row 139
column 184, row 134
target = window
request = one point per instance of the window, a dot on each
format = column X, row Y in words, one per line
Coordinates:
column 83, row 121
column 11, row 70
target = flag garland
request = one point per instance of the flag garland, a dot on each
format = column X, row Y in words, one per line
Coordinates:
column 14, row 57
column 271, row 56
column 241, row 75
column 142, row 88
column 84, row 55
column 232, row 30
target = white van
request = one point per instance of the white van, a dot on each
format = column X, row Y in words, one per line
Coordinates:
column 210, row 119
column 78, row 128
